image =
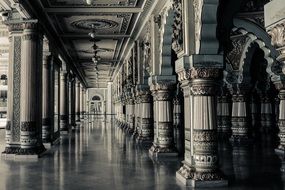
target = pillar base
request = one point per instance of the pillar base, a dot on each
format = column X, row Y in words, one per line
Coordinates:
column 48, row 145
column 188, row 177
column 30, row 153
column 159, row 152
column 185, row 174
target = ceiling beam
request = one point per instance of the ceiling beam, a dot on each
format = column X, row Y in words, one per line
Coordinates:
column 88, row 10
column 98, row 36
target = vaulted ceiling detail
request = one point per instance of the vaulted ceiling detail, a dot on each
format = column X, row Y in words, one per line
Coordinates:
column 114, row 22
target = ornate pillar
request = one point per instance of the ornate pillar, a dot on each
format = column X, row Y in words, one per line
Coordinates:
column 178, row 123
column 82, row 94
column 137, row 113
column 281, row 121
column 77, row 102
column 240, row 119
column 200, row 167
column 266, row 113
column 73, row 101
column 204, row 87
column 31, row 91
column 131, row 114
column 275, row 26
column 14, row 92
column 164, row 144
column 225, row 114
column 48, row 97
column 64, row 120
column 146, row 115
column 255, row 115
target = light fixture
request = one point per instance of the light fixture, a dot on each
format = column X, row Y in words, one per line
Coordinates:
column 89, row 2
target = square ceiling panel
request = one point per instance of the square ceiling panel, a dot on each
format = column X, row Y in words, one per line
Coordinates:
column 84, row 48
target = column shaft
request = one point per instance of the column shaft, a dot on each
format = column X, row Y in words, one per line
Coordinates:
column 48, row 100
column 14, row 92
column 64, row 103
column 31, row 91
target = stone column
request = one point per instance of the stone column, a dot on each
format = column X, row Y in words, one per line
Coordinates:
column 275, row 26
column 14, row 93
column 48, row 100
column 204, row 87
column 266, row 113
column 281, row 121
column 131, row 118
column 178, row 123
column 137, row 113
column 204, row 90
column 240, row 116
column 225, row 116
column 31, row 91
column 82, row 102
column 146, row 115
column 77, row 102
column 64, row 120
column 73, row 101
column 255, row 113
column 164, row 146
column 186, row 172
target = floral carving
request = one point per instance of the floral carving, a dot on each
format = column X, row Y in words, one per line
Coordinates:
column 177, row 44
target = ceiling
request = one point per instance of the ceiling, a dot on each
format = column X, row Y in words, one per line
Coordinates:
column 115, row 23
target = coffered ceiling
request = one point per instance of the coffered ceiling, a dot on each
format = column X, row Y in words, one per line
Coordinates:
column 115, row 23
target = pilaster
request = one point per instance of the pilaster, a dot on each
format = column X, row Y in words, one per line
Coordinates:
column 14, row 92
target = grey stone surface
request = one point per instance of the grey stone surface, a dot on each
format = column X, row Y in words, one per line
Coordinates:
column 101, row 156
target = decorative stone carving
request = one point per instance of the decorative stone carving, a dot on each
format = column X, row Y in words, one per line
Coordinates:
column 97, row 24
column 234, row 56
column 277, row 34
column 177, row 36
column 205, row 73
column 198, row 8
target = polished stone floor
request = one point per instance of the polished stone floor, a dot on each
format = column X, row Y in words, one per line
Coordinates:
column 100, row 156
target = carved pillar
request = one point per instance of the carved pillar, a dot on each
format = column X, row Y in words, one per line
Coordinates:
column 48, row 99
column 164, row 144
column 73, row 102
column 138, row 112
column 82, row 97
column 77, row 102
column 14, row 93
column 240, row 119
column 281, row 122
column 255, row 115
column 178, row 123
column 64, row 103
column 203, row 145
column 131, row 116
column 31, row 91
column 225, row 115
column 275, row 26
column 204, row 87
column 146, row 115
column 266, row 112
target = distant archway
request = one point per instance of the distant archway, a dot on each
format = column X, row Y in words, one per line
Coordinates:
column 96, row 98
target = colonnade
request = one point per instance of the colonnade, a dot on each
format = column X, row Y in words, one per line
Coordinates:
column 39, row 91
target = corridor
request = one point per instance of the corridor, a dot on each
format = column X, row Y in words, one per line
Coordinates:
column 99, row 155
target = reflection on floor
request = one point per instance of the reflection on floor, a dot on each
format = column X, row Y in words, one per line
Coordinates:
column 100, row 156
